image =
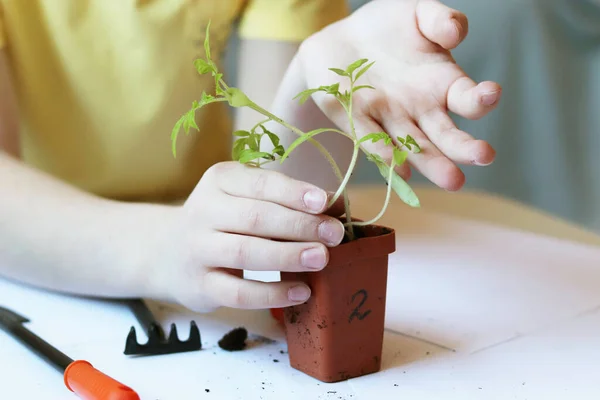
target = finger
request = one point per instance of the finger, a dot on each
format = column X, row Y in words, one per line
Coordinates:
column 231, row 291
column 269, row 220
column 441, row 24
column 430, row 162
column 251, row 253
column 471, row 100
column 337, row 209
column 240, row 180
column 365, row 125
column 455, row 144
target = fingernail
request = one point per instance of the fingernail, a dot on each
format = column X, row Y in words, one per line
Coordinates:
column 313, row 258
column 331, row 232
column 489, row 99
column 315, row 200
column 482, row 164
column 299, row 293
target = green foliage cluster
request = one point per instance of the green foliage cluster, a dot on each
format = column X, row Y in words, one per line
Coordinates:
column 247, row 145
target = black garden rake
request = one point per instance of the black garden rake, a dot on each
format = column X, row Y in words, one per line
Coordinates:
column 157, row 342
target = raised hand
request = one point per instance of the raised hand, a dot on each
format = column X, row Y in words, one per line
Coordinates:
column 417, row 83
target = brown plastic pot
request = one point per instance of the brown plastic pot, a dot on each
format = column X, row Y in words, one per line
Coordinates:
column 338, row 333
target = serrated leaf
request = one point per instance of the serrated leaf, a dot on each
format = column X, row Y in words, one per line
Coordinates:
column 338, row 71
column 399, row 156
column 248, row 155
column 174, row 134
column 363, row 70
column 356, row 64
column 202, row 66
column 375, row 137
column 237, row 98
column 305, row 94
column 189, row 120
column 206, row 99
column 332, row 89
column 376, row 158
column 402, row 189
column 273, row 137
column 410, row 140
column 238, row 147
column 253, row 142
column 279, row 150
column 355, row 88
column 301, row 140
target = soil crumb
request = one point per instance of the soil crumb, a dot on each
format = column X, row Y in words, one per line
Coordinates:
column 234, row 340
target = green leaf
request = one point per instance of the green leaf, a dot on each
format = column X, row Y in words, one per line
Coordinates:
column 273, row 137
column 238, row 147
column 202, row 66
column 279, row 150
column 189, row 120
column 253, row 142
column 332, row 89
column 355, row 88
column 248, row 155
column 399, row 156
column 410, row 143
column 410, row 140
column 402, row 189
column 305, row 95
column 301, row 140
column 362, row 71
column 241, row 133
column 376, row 137
column 376, row 158
column 206, row 99
column 338, row 71
column 237, row 98
column 356, row 64
column 207, row 41
column 174, row 134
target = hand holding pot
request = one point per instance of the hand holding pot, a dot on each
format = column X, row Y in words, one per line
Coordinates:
column 240, row 217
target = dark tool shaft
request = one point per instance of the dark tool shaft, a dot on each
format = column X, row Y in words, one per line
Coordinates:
column 145, row 317
column 45, row 350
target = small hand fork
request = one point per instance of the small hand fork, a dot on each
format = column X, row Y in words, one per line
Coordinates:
column 157, row 343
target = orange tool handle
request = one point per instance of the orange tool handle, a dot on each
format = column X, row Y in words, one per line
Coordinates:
column 90, row 384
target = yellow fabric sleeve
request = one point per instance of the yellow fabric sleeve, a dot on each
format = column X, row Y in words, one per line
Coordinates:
column 289, row 20
column 2, row 33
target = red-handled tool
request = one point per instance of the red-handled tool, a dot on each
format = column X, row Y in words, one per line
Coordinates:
column 80, row 376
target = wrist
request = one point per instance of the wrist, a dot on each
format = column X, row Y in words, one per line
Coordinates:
column 146, row 252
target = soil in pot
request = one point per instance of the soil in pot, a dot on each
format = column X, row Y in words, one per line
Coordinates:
column 338, row 333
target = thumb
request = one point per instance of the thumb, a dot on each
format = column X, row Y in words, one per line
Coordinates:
column 441, row 24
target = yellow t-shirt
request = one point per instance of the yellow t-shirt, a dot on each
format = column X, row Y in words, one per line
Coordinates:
column 101, row 83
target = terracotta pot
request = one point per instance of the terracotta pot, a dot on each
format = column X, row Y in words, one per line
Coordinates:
column 277, row 313
column 338, row 333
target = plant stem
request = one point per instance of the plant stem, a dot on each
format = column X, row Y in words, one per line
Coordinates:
column 385, row 204
column 342, row 187
column 319, row 146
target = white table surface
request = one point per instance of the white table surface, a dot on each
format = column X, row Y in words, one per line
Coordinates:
column 474, row 312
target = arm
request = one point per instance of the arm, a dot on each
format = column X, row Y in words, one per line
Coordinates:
column 55, row 236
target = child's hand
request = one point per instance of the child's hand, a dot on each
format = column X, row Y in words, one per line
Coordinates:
column 416, row 80
column 227, row 222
